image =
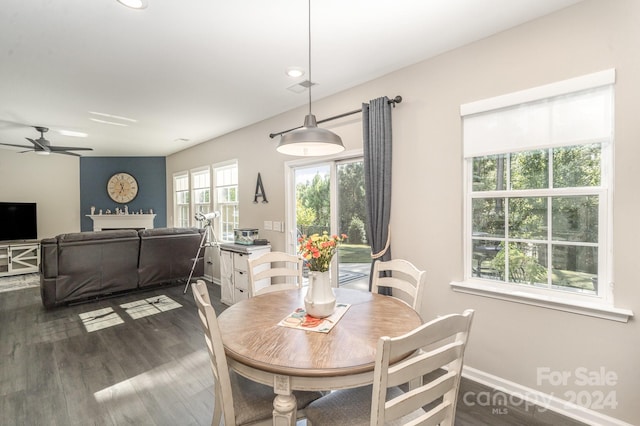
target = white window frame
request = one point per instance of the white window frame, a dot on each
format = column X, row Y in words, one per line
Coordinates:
column 475, row 142
column 198, row 184
column 177, row 207
column 227, row 224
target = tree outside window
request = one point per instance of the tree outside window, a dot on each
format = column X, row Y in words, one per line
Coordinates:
column 535, row 217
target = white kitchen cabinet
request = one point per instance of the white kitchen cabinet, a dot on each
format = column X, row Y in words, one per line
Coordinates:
column 234, row 278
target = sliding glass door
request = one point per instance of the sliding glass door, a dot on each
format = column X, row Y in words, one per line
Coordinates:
column 354, row 257
column 329, row 196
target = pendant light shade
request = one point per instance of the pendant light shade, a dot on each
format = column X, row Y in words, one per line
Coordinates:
column 310, row 140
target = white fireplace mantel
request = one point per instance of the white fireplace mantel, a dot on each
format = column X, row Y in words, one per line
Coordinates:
column 122, row 221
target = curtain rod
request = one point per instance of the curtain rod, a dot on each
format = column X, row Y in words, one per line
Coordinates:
column 392, row 102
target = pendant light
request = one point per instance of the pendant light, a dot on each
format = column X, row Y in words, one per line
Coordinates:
column 310, row 140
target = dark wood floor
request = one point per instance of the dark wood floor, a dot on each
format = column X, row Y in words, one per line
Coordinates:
column 142, row 365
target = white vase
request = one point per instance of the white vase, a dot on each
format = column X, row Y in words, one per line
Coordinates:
column 320, row 301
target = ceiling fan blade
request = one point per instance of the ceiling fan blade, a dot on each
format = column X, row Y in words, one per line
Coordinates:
column 67, row 153
column 17, row 146
column 68, row 148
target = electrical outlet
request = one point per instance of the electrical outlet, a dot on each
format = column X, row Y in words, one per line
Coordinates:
column 268, row 225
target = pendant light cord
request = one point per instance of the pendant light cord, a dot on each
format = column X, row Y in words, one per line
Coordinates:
column 310, row 81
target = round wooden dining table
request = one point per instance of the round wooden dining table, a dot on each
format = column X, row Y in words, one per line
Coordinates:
column 289, row 359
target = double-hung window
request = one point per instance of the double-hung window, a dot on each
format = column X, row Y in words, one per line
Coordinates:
column 226, row 198
column 201, row 190
column 181, row 205
column 538, row 176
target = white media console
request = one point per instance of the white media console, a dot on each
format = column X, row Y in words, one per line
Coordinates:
column 19, row 257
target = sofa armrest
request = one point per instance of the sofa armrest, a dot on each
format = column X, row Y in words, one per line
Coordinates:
column 49, row 257
column 168, row 254
column 94, row 264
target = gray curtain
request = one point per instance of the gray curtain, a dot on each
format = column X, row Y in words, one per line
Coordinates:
column 376, row 120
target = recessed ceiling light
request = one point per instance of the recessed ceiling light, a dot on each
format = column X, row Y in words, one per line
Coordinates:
column 134, row 4
column 73, row 133
column 294, row 72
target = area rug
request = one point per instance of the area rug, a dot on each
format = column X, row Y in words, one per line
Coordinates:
column 18, row 282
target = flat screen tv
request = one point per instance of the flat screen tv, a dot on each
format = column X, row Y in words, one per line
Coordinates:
column 18, row 221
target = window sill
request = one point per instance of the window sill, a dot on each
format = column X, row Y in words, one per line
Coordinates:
column 591, row 309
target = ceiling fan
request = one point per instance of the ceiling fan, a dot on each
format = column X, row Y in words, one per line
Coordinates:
column 44, row 147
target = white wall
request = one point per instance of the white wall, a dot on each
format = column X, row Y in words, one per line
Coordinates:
column 509, row 340
column 52, row 181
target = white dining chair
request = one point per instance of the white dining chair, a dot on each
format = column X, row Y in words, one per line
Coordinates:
column 237, row 400
column 438, row 351
column 405, row 280
column 278, row 266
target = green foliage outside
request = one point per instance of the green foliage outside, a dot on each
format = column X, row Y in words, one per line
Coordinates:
column 313, row 203
column 354, row 253
column 351, row 199
column 573, row 218
column 356, row 231
column 313, row 210
column 522, row 268
column 525, row 269
column 306, row 216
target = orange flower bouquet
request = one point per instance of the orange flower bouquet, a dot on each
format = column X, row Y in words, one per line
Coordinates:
column 318, row 249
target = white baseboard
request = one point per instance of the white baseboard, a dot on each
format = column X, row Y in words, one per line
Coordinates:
column 535, row 397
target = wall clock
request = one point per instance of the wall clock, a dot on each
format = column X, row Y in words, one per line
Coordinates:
column 122, row 187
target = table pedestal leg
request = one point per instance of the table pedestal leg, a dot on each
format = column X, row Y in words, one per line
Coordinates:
column 284, row 410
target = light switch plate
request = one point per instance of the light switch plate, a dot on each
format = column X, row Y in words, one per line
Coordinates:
column 268, row 225
column 276, row 226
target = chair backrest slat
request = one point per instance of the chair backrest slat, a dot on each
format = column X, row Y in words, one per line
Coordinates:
column 434, row 417
column 424, row 363
column 420, row 396
column 404, row 277
column 423, row 337
column 275, row 272
column 275, row 264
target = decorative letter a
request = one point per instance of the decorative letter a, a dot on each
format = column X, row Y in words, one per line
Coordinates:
column 260, row 191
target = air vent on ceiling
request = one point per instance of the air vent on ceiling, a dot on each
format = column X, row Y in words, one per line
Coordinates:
column 301, row 87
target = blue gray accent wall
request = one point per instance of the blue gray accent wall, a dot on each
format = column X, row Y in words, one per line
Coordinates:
column 150, row 172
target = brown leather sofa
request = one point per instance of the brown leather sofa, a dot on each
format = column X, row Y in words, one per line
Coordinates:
column 88, row 265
